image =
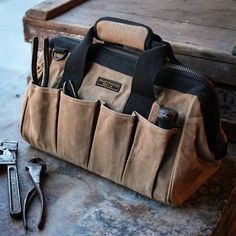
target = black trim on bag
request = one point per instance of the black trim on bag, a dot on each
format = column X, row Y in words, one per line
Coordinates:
column 183, row 82
column 178, row 80
column 64, row 42
column 116, row 61
column 149, row 64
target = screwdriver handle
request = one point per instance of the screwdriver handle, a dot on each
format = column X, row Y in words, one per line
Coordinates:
column 14, row 192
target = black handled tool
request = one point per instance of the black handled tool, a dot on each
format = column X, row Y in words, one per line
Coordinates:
column 8, row 155
column 69, row 89
column 45, row 63
column 36, row 169
column 34, row 73
column 167, row 117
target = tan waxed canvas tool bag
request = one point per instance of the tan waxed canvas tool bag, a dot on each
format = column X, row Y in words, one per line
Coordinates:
column 119, row 104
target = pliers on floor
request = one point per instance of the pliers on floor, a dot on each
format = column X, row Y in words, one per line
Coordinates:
column 46, row 62
column 36, row 169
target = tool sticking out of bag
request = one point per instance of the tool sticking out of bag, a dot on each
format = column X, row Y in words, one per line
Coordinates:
column 162, row 116
column 69, row 89
column 36, row 169
column 167, row 117
column 8, row 157
column 46, row 62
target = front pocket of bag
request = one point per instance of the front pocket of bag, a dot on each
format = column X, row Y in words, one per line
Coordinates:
column 111, row 145
column 76, row 125
column 39, row 122
column 146, row 155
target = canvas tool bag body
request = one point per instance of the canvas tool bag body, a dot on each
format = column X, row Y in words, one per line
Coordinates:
column 123, row 74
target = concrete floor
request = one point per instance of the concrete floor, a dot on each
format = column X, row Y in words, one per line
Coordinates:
column 79, row 202
column 15, row 58
column 15, row 53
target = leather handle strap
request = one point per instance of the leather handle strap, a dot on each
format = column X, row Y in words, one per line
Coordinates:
column 147, row 70
column 124, row 32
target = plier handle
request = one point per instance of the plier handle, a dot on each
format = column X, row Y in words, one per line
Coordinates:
column 46, row 62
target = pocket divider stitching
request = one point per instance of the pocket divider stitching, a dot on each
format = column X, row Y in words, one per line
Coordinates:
column 108, row 139
column 34, row 100
column 75, row 133
column 24, row 112
column 137, row 161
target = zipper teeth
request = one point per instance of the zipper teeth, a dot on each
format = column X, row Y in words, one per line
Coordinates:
column 188, row 70
column 167, row 66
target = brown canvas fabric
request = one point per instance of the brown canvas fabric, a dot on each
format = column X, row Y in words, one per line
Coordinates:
column 56, row 69
column 111, row 144
column 39, row 122
column 128, row 35
column 148, row 150
column 76, row 124
column 181, row 102
column 90, row 91
column 189, row 165
column 167, row 165
column 194, row 163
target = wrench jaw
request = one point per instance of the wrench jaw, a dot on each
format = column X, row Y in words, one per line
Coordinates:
column 6, row 157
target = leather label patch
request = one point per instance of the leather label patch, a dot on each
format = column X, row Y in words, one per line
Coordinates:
column 108, row 84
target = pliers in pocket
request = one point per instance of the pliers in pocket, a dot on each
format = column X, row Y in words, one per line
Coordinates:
column 46, row 62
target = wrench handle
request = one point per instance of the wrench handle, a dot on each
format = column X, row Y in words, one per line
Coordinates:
column 14, row 192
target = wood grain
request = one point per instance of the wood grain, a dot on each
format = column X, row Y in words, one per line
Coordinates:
column 49, row 9
column 206, row 29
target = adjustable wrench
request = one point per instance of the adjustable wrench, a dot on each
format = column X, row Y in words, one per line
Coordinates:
column 8, row 154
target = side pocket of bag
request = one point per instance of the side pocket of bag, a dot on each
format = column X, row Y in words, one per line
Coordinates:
column 39, row 121
column 194, row 162
column 111, row 145
column 24, row 123
column 76, row 125
column 146, row 155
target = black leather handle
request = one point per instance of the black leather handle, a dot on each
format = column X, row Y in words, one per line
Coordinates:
column 147, row 68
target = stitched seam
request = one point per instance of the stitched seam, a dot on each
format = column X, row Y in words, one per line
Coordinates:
column 170, row 187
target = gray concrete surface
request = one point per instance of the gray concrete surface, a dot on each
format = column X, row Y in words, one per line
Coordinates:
column 15, row 53
column 79, row 202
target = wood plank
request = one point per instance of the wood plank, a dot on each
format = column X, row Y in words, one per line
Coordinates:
column 186, row 30
column 181, row 48
column 202, row 12
column 49, row 9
